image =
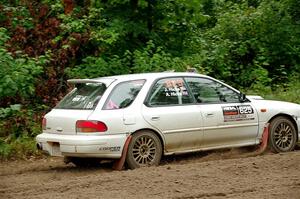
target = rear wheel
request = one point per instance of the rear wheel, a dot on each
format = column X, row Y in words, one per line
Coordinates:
column 145, row 149
column 283, row 135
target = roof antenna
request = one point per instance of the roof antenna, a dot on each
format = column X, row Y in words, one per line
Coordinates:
column 169, row 71
column 192, row 70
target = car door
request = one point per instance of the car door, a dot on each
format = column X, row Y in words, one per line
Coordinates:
column 170, row 108
column 227, row 121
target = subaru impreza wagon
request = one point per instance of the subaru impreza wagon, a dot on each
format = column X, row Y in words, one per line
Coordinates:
column 162, row 114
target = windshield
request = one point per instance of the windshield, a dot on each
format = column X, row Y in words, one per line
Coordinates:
column 83, row 96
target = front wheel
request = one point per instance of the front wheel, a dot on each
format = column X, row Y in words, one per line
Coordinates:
column 283, row 135
column 145, row 149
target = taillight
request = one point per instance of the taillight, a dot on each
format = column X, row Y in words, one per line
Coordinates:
column 44, row 123
column 90, row 126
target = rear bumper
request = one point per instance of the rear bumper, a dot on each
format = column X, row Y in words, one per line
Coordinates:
column 103, row 146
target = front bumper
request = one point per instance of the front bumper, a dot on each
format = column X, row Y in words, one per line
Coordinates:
column 297, row 119
column 100, row 146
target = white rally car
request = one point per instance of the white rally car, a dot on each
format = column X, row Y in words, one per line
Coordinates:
column 154, row 114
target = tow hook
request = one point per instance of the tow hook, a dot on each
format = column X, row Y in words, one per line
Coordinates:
column 67, row 160
column 39, row 146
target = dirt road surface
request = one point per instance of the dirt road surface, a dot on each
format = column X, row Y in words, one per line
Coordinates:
column 221, row 174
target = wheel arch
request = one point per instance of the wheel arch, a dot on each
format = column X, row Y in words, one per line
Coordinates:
column 161, row 138
column 290, row 118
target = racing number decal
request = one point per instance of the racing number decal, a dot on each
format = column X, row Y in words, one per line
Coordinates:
column 245, row 109
column 238, row 113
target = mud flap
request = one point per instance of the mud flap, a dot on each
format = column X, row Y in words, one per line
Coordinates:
column 118, row 165
column 264, row 140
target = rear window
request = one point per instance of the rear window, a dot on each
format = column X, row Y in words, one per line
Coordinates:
column 83, row 96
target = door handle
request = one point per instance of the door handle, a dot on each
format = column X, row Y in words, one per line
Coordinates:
column 209, row 115
column 59, row 129
column 155, row 118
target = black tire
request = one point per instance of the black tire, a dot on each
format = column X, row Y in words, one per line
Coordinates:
column 282, row 135
column 84, row 162
column 145, row 149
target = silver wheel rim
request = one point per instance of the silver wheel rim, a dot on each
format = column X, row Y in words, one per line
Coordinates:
column 283, row 136
column 144, row 150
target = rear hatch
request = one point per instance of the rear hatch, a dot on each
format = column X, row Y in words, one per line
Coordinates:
column 63, row 121
column 76, row 105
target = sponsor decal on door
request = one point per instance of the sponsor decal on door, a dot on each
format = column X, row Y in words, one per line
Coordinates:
column 238, row 113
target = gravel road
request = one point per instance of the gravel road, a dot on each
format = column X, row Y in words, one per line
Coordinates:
column 218, row 174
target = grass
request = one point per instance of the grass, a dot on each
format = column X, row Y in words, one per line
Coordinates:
column 20, row 148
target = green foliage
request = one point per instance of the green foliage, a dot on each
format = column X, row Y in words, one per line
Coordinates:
column 16, row 122
column 152, row 59
column 10, row 111
column 97, row 67
column 18, row 127
column 248, row 39
column 289, row 92
column 19, row 73
column 148, row 59
column 5, row 149
column 19, row 16
column 23, row 147
column 17, row 84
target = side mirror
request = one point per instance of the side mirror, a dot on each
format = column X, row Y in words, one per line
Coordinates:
column 242, row 97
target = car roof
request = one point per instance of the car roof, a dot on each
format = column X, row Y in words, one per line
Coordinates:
column 150, row 75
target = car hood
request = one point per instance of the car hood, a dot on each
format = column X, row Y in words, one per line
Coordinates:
column 277, row 107
column 254, row 97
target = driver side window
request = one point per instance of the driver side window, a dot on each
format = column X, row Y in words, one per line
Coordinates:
column 208, row 91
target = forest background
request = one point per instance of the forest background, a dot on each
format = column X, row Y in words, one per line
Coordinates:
column 253, row 45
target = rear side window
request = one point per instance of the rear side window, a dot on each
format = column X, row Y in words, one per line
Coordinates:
column 123, row 94
column 83, row 96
